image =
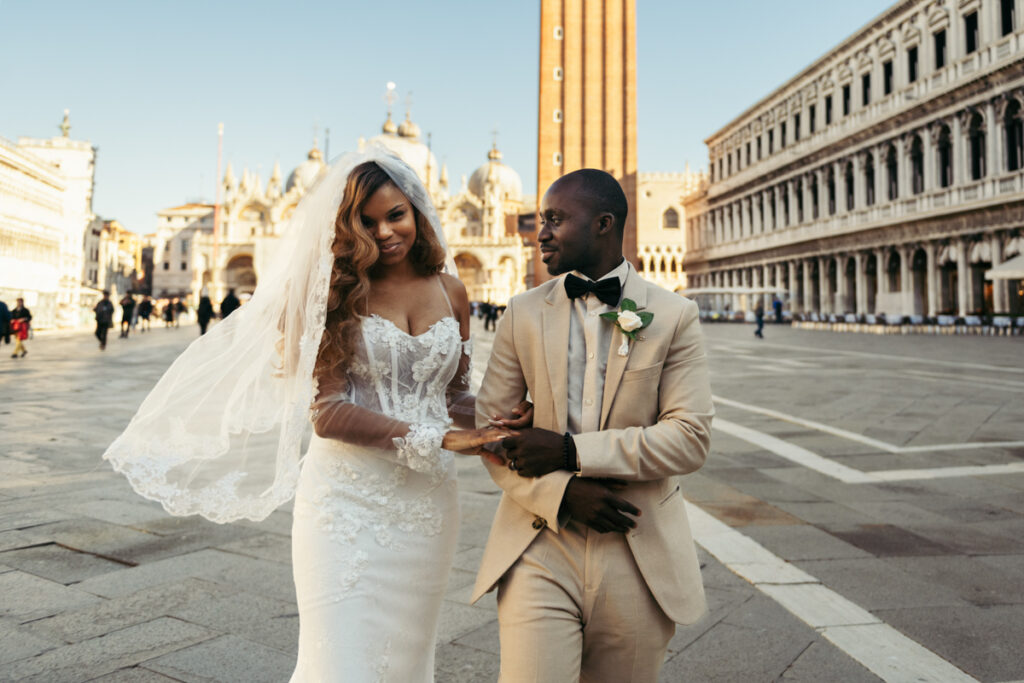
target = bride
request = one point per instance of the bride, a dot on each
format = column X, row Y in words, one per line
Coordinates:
column 356, row 330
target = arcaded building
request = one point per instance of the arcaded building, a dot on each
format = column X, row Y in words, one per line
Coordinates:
column 886, row 177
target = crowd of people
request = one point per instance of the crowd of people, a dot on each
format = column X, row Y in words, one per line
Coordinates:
column 135, row 315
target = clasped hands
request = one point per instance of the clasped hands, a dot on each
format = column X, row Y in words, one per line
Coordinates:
column 534, row 452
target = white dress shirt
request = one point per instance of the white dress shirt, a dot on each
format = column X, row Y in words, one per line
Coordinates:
column 590, row 337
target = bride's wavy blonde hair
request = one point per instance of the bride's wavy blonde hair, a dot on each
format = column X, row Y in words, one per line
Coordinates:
column 355, row 254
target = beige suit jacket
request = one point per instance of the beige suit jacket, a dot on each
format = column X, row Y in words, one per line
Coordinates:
column 655, row 423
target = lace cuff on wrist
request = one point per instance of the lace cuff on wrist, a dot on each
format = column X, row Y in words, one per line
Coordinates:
column 420, row 449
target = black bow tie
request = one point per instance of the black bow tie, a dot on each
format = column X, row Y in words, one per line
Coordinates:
column 607, row 290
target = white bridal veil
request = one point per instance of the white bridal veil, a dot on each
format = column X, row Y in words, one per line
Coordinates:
column 222, row 433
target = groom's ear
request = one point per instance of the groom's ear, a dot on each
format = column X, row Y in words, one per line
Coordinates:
column 605, row 223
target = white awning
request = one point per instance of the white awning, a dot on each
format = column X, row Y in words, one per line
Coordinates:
column 1008, row 270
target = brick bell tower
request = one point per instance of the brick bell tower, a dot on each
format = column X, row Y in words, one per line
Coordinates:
column 587, row 99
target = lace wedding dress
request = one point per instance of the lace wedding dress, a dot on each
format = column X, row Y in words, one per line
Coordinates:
column 376, row 517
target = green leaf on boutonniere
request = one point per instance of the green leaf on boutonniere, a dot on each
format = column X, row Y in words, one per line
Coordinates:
column 628, row 305
column 613, row 316
column 646, row 318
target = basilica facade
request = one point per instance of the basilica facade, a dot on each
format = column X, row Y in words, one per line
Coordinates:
column 885, row 178
column 479, row 221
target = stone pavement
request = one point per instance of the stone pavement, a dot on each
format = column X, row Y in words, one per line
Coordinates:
column 839, row 544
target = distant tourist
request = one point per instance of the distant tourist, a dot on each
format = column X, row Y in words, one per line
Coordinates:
column 759, row 318
column 127, row 311
column 104, row 311
column 145, row 310
column 5, row 322
column 180, row 309
column 230, row 304
column 21, row 323
column 777, row 305
column 490, row 317
column 204, row 313
column 168, row 313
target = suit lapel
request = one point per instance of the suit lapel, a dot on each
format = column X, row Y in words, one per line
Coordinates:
column 555, row 328
column 636, row 289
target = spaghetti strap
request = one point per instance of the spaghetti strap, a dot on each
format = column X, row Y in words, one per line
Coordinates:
column 446, row 297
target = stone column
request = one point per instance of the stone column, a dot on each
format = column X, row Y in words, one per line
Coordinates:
column 902, row 168
column 841, row 304
column 933, row 280
column 824, row 296
column 881, row 189
column 791, row 193
column 958, row 151
column 993, row 142
column 839, row 173
column 860, row 285
column 859, row 171
column 881, row 277
column 794, row 303
column 906, row 286
column 1000, row 293
column 962, row 278
column 931, row 143
column 765, row 282
column 808, row 298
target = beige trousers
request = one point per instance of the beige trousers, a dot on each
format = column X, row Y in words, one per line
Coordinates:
column 575, row 607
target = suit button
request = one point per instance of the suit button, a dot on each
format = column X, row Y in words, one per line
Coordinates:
column 539, row 523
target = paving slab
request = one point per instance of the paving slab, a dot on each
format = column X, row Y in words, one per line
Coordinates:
column 876, row 584
column 227, row 658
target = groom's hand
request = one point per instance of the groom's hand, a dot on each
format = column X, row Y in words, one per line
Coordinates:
column 534, row 452
column 592, row 502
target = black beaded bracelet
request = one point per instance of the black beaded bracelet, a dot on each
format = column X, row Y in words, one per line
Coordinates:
column 568, row 452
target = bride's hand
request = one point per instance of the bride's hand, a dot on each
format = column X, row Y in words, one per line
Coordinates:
column 471, row 441
column 521, row 418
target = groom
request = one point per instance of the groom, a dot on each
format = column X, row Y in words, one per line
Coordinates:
column 590, row 549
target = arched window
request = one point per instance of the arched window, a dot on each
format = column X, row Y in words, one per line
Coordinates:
column 917, row 165
column 670, row 219
column 831, row 193
column 1014, row 137
column 976, row 135
column 945, row 160
column 799, row 189
column 814, row 197
column 869, row 180
column 849, row 185
column 892, row 171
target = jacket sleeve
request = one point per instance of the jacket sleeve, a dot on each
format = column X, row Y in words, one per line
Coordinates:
column 678, row 442
column 503, row 388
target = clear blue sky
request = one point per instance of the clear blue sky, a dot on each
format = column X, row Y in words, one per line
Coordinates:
column 147, row 81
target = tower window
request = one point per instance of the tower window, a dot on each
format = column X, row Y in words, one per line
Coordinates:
column 558, row 73
column 559, row 33
column 670, row 219
column 556, row 158
column 771, row 142
column 557, row 116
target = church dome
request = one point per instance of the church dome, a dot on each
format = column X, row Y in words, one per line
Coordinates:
column 409, row 149
column 509, row 184
column 408, row 129
column 306, row 172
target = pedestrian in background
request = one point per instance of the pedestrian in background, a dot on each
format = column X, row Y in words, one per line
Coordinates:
column 490, row 317
column 168, row 313
column 180, row 309
column 777, row 305
column 204, row 313
column 21, row 323
column 127, row 310
column 230, row 304
column 759, row 318
column 104, row 310
column 145, row 310
column 5, row 322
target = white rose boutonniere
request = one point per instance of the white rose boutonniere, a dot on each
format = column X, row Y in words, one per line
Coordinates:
column 629, row 321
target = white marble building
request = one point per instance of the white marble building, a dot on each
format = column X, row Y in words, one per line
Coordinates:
column 886, row 177
column 479, row 223
column 660, row 237
column 46, row 188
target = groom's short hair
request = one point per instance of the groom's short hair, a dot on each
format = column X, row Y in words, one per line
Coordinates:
column 604, row 191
